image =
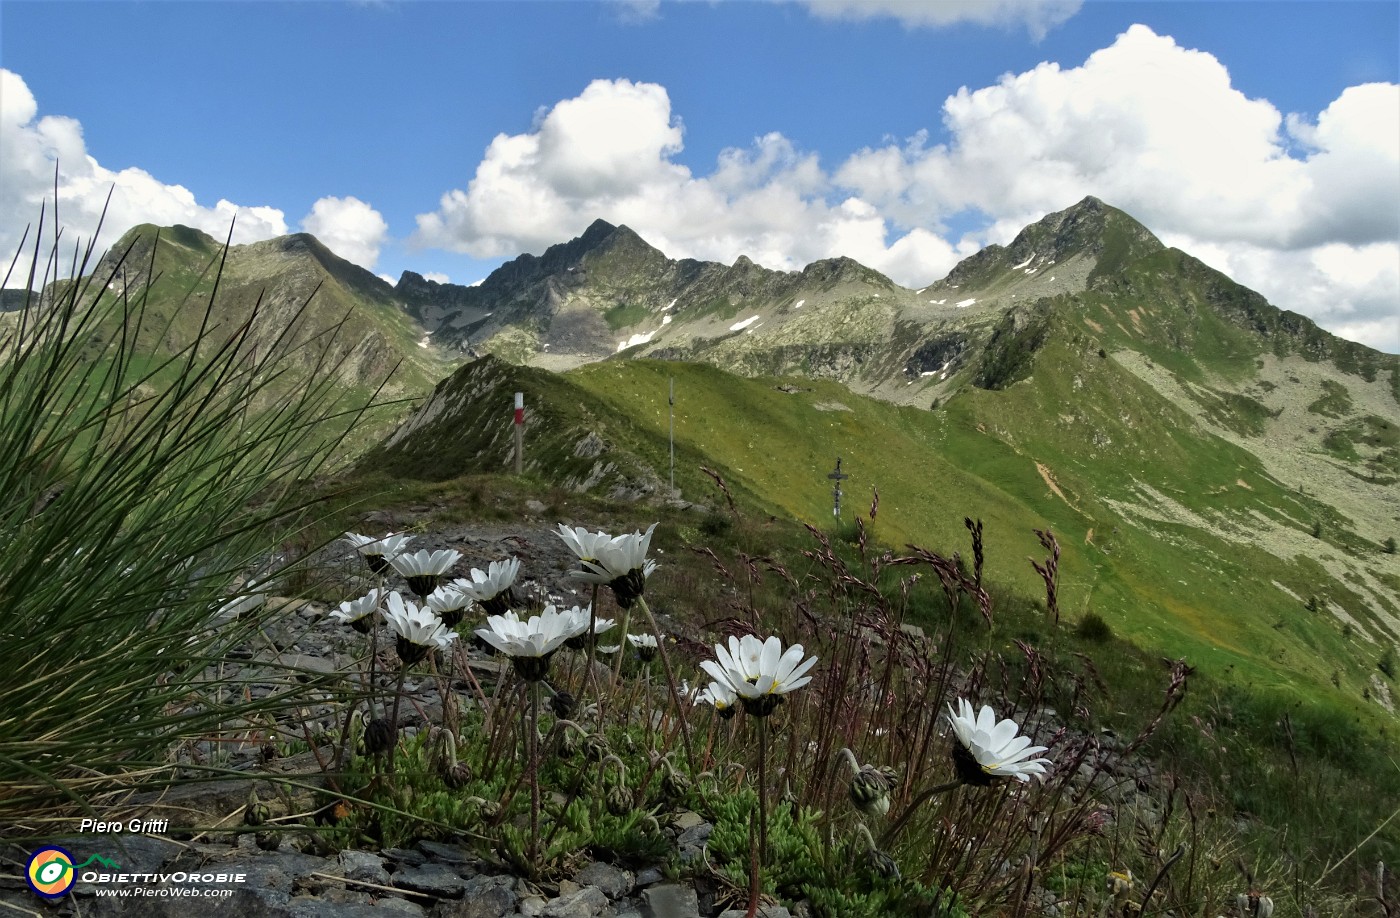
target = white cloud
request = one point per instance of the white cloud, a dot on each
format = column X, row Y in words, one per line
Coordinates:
column 609, row 153
column 1352, row 291
column 349, row 227
column 634, row 12
column 30, row 146
column 1037, row 16
column 1159, row 131
column 1306, row 210
column 438, row 277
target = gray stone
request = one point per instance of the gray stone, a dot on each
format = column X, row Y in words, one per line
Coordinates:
column 399, row 906
column 406, row 856
column 767, row 911
column 361, row 865
column 533, row 906
column 695, row 835
column 448, row 854
column 671, row 901
column 304, row 667
column 340, row 895
column 613, row 881
column 691, row 843
column 483, row 897
column 685, row 819
column 585, row 903
column 436, row 880
column 142, row 853
column 650, row 877
column 535, row 506
column 271, row 871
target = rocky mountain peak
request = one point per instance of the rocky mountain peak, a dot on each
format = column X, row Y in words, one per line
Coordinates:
column 1092, row 230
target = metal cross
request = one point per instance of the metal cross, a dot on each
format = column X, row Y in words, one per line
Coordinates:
column 837, row 477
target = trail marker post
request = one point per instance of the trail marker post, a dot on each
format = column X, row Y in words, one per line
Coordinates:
column 519, row 432
column 671, row 399
column 837, row 477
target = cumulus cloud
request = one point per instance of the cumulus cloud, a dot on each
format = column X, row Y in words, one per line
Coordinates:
column 634, row 12
column 1301, row 210
column 1037, row 16
column 1304, row 209
column 349, row 227
column 438, row 277
column 610, row 153
column 1351, row 290
column 31, row 146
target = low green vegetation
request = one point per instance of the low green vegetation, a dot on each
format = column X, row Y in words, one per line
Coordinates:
column 1335, row 401
column 625, row 315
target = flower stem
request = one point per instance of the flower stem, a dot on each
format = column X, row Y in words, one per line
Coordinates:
column 533, row 740
column 590, row 679
column 671, row 684
column 394, row 718
column 621, row 649
column 890, row 834
column 762, row 790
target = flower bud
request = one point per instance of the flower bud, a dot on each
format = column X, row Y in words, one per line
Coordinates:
column 564, row 705
column 457, row 775
column 618, row 800
column 255, row 812
column 881, row 864
column 870, row 790
column 379, row 736
column 595, row 748
column 674, row 785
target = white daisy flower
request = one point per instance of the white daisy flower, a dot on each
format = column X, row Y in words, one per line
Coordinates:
column 988, row 750
column 418, row 629
column 423, row 569
column 584, row 543
column 721, row 696
column 620, row 563
column 754, row 668
column 582, row 615
column 449, row 603
column 531, row 643
column 359, row 613
column 645, row 645
column 378, row 552
column 491, row 587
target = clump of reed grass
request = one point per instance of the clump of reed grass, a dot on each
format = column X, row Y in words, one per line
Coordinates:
column 137, row 492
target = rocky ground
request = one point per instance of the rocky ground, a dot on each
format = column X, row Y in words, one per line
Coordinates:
column 294, row 873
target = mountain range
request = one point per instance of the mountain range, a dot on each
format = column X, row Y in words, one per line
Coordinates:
column 1224, row 476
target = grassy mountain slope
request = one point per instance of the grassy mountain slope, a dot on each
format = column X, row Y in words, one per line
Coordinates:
column 327, row 313
column 1157, row 541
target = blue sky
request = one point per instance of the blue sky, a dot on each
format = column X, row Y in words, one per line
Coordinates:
column 446, row 137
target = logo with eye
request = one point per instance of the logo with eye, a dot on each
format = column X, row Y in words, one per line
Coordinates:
column 50, row 872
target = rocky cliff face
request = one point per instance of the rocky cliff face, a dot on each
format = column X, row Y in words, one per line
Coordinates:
column 609, row 292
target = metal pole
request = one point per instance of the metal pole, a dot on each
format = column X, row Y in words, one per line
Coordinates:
column 672, row 400
column 837, row 477
column 519, row 432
